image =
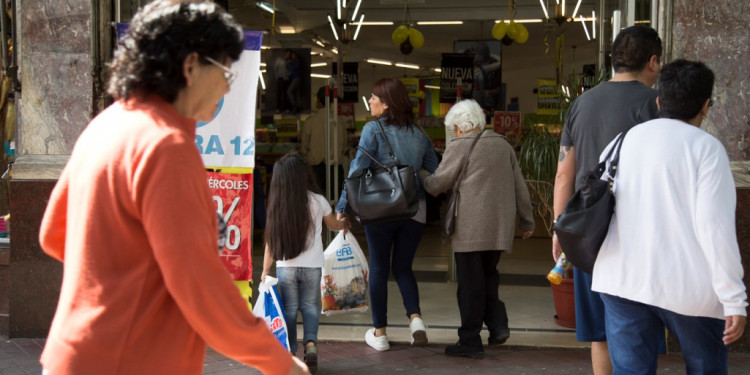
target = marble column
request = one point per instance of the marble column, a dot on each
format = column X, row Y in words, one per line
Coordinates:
column 54, row 106
column 715, row 32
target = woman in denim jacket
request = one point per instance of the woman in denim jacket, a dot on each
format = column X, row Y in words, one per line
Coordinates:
column 391, row 105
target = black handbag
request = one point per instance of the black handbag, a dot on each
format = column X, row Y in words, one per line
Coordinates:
column 583, row 225
column 382, row 192
column 449, row 220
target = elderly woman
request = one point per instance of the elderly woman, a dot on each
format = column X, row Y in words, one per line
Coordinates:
column 132, row 218
column 492, row 192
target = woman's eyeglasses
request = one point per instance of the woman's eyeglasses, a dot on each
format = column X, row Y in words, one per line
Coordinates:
column 229, row 75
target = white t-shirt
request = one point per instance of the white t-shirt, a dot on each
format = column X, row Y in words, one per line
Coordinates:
column 312, row 256
column 672, row 241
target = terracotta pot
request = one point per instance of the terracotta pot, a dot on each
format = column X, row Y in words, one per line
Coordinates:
column 565, row 305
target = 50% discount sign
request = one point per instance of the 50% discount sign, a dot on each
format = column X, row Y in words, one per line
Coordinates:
column 232, row 194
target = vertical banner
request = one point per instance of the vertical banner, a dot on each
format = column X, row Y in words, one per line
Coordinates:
column 548, row 100
column 232, row 194
column 229, row 139
column 350, row 81
column 455, row 66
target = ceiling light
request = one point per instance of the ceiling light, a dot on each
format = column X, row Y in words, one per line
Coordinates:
column 316, row 65
column 315, row 75
column 262, row 64
column 333, row 28
column 585, row 29
column 432, row 87
column 575, row 11
column 437, row 70
column 286, row 29
column 319, row 43
column 523, row 20
column 408, row 66
column 380, row 62
column 359, row 25
column 262, row 82
column 268, row 8
column 544, row 8
column 374, row 23
column 335, row 50
column 367, row 105
column 440, row 22
column 356, row 9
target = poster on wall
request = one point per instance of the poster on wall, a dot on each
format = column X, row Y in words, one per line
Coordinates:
column 287, row 81
column 229, row 139
column 350, row 82
column 455, row 67
column 548, row 100
column 486, row 86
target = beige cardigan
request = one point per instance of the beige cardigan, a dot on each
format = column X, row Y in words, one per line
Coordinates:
column 492, row 192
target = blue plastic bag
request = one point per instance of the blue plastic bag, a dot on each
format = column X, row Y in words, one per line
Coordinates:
column 268, row 306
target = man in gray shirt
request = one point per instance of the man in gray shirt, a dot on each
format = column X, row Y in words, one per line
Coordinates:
column 593, row 120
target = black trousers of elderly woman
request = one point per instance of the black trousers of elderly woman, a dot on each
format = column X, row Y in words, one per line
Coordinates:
column 478, row 300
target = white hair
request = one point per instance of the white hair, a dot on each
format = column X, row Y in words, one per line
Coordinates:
column 467, row 115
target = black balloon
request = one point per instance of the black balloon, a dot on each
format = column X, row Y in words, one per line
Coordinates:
column 406, row 47
column 507, row 40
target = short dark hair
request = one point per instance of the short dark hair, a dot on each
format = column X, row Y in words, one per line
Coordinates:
column 633, row 47
column 684, row 87
column 149, row 57
column 392, row 92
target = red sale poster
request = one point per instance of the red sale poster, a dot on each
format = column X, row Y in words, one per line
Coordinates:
column 233, row 194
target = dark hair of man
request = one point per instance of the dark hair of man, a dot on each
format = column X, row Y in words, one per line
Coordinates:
column 288, row 215
column 633, row 47
column 321, row 95
column 150, row 57
column 393, row 93
column 684, row 87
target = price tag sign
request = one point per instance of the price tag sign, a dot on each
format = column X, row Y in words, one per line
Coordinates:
column 507, row 124
column 233, row 194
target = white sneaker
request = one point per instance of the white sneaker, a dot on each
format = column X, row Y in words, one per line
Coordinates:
column 379, row 343
column 418, row 332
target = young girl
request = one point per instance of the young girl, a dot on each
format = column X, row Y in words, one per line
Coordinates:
column 293, row 240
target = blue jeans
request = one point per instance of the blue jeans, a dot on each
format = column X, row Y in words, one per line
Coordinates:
column 299, row 289
column 392, row 247
column 634, row 329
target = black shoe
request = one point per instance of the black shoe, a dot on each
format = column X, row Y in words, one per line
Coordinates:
column 311, row 358
column 499, row 338
column 464, row 351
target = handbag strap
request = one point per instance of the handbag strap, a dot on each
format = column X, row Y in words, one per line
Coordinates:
column 381, row 165
column 466, row 161
column 387, row 144
column 614, row 155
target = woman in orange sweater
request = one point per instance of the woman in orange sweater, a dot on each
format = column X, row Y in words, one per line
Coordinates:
column 133, row 221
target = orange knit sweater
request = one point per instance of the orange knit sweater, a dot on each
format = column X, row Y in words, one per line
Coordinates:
column 133, row 222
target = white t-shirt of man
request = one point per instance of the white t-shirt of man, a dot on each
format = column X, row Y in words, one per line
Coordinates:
column 312, row 256
column 672, row 241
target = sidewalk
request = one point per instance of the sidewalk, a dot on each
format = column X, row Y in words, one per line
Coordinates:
column 21, row 356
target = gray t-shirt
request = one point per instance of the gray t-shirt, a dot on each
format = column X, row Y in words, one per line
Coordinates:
column 598, row 115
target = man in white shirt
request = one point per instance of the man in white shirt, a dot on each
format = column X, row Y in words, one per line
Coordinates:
column 671, row 255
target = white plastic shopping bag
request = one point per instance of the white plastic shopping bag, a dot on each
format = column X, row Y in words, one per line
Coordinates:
column 345, row 284
column 268, row 306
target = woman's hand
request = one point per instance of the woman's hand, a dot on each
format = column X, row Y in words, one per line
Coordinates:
column 263, row 276
column 556, row 249
column 526, row 234
column 340, row 216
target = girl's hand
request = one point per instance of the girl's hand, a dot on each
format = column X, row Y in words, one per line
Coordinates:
column 344, row 220
column 263, row 276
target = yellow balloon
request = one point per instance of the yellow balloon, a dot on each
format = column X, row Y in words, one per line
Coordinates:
column 523, row 34
column 498, row 31
column 512, row 30
column 416, row 38
column 400, row 34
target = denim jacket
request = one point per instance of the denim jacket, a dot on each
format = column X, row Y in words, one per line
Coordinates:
column 410, row 145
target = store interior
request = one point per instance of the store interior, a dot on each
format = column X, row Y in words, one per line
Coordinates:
column 554, row 50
